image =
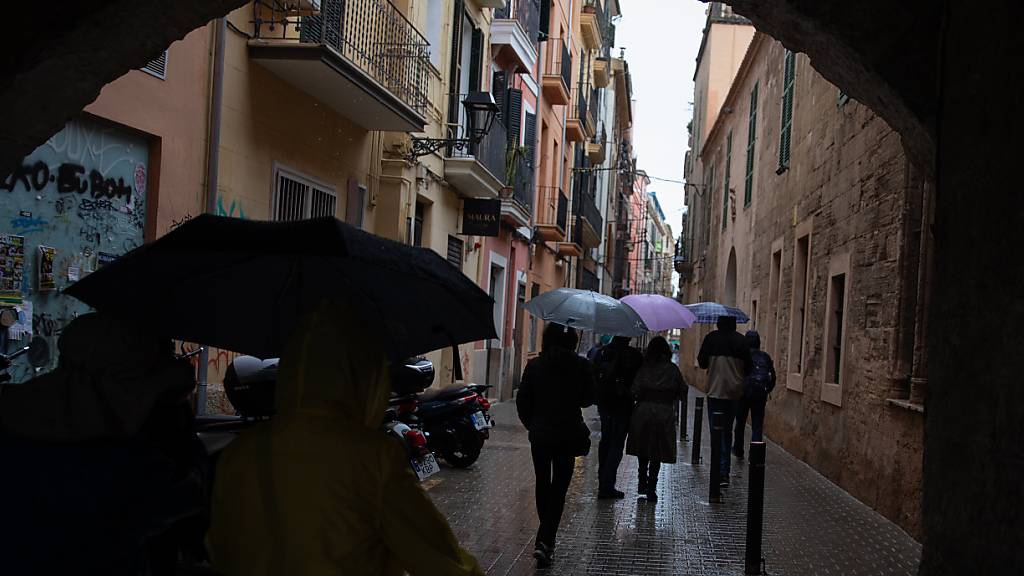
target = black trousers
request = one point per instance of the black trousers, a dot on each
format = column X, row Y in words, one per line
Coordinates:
column 649, row 470
column 554, row 472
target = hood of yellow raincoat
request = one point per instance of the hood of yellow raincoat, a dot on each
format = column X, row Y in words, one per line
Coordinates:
column 333, row 366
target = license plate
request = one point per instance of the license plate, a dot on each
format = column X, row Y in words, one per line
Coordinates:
column 425, row 466
column 480, row 421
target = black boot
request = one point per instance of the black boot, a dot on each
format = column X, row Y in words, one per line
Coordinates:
column 641, row 486
column 652, row 489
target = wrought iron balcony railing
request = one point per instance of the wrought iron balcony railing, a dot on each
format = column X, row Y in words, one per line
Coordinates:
column 588, row 209
column 490, row 151
column 596, row 7
column 371, row 34
column 590, row 281
column 522, row 183
column 558, row 61
column 526, row 12
column 552, row 208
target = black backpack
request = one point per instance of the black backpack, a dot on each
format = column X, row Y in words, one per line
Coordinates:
column 761, row 379
column 611, row 383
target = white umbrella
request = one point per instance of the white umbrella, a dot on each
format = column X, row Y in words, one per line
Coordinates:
column 587, row 310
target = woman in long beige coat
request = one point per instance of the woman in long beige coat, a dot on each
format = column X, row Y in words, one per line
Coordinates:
column 652, row 434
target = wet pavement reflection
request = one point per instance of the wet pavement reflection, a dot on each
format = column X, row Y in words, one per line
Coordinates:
column 811, row 526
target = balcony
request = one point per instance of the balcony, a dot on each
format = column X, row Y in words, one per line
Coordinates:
column 477, row 170
column 602, row 72
column 593, row 24
column 590, row 281
column 590, row 218
column 552, row 214
column 517, row 198
column 557, row 75
column 581, row 117
column 596, row 148
column 360, row 57
column 513, row 32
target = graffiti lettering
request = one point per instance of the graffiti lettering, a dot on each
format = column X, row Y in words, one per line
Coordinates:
column 68, row 180
column 33, row 177
column 63, row 205
column 108, row 186
column 91, row 205
column 27, row 224
column 176, row 223
column 230, row 211
column 46, row 325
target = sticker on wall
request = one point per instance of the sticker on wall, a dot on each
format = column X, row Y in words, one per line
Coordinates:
column 47, row 280
column 23, row 326
column 74, row 273
column 12, row 268
column 104, row 258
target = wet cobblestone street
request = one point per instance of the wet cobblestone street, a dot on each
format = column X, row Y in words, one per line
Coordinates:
column 811, row 526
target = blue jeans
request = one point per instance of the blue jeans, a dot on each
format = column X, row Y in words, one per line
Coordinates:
column 756, row 408
column 728, row 411
column 614, row 428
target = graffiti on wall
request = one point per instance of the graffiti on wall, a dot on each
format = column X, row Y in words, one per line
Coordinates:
column 75, row 203
column 231, row 210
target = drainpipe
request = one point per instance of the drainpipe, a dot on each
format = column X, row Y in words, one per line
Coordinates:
column 565, row 117
column 212, row 171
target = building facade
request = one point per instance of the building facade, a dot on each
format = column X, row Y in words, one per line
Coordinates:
column 813, row 221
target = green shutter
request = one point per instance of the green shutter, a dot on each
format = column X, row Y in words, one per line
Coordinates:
column 748, row 188
column 725, row 181
column 785, row 136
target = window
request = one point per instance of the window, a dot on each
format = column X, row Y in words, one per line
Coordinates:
column 532, row 345
column 834, row 349
column 157, row 66
column 435, row 26
column 356, row 204
column 842, row 99
column 455, row 251
column 709, row 185
column 418, row 223
column 298, row 197
column 725, row 179
column 801, row 265
column 753, row 315
column 786, row 135
column 774, row 289
column 748, row 186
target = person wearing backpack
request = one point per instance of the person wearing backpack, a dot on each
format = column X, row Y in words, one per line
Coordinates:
column 726, row 356
column 756, row 387
column 615, row 369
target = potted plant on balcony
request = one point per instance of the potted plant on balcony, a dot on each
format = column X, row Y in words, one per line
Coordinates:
column 512, row 157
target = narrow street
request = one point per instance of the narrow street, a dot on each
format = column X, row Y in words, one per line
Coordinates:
column 811, row 526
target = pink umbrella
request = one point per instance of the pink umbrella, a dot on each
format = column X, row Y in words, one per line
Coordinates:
column 660, row 312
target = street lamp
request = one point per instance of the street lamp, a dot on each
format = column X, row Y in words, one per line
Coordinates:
column 481, row 110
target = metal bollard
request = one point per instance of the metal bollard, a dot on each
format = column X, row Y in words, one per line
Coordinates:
column 683, row 405
column 698, row 417
column 755, row 508
column 716, row 457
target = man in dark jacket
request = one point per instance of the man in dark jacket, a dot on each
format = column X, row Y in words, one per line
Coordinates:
column 554, row 388
column 758, row 384
column 615, row 370
column 726, row 356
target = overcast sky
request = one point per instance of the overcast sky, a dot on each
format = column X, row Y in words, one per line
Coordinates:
column 661, row 38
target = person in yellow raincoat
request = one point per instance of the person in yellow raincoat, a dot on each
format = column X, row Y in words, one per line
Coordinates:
column 318, row 489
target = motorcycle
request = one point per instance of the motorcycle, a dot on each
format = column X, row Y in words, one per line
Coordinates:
column 38, row 351
column 454, row 420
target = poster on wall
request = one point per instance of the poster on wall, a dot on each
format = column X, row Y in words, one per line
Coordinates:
column 47, row 280
column 12, row 268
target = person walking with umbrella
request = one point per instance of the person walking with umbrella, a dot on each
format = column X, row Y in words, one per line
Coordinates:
column 726, row 356
column 615, row 369
column 658, row 388
column 555, row 386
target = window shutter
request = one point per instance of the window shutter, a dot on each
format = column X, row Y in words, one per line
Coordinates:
column 455, row 251
column 453, row 77
column 785, row 136
column 499, row 90
column 476, row 55
column 725, row 181
column 748, row 189
column 531, row 138
column 514, row 107
column 545, row 20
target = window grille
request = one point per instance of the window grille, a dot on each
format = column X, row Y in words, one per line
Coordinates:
column 297, row 198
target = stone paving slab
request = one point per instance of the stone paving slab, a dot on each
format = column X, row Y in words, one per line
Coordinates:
column 812, row 527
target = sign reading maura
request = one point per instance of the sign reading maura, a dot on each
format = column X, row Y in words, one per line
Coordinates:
column 481, row 217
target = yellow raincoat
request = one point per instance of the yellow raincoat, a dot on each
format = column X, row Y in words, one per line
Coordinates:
column 318, row 489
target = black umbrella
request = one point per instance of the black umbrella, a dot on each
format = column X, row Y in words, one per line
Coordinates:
column 242, row 285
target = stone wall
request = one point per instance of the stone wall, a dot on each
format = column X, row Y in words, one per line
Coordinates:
column 846, row 188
